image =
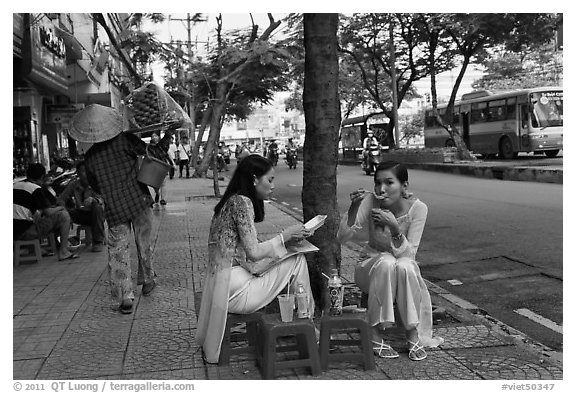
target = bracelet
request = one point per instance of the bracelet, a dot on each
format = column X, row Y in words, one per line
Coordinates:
column 397, row 237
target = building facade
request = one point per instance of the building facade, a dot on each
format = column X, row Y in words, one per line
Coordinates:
column 61, row 63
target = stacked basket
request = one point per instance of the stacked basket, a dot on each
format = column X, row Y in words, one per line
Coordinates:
column 150, row 108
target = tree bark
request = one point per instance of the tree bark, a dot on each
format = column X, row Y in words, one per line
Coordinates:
column 322, row 115
column 196, row 149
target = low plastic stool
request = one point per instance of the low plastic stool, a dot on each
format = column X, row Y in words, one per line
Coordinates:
column 36, row 255
column 273, row 328
column 251, row 335
column 346, row 322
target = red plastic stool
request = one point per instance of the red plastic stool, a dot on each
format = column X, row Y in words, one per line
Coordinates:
column 273, row 328
column 346, row 323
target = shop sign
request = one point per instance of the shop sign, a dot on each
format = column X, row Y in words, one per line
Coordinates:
column 18, row 33
column 44, row 55
column 62, row 114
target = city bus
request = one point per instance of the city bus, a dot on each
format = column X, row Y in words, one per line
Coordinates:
column 528, row 120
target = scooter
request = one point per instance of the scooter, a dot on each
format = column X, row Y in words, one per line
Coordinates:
column 371, row 161
column 292, row 157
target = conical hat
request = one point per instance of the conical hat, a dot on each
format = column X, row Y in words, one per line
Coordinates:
column 96, row 123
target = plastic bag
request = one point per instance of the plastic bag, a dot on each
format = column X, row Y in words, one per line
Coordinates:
column 151, row 108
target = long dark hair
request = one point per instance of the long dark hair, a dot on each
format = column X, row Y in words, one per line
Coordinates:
column 399, row 170
column 242, row 183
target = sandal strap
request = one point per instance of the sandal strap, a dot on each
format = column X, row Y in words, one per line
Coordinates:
column 415, row 346
column 381, row 345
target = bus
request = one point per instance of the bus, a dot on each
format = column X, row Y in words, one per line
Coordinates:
column 528, row 120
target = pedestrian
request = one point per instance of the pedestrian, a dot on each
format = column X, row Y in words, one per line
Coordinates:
column 34, row 216
column 173, row 154
column 160, row 193
column 233, row 250
column 111, row 168
column 85, row 206
column 389, row 222
column 184, row 156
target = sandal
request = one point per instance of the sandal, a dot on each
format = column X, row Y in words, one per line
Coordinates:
column 384, row 350
column 415, row 349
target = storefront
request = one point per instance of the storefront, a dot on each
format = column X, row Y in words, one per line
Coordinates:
column 39, row 79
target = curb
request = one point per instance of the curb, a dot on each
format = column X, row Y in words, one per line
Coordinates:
column 501, row 172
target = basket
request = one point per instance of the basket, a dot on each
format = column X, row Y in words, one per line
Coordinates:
column 152, row 171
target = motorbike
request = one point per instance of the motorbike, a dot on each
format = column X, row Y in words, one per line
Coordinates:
column 273, row 156
column 371, row 160
column 292, row 157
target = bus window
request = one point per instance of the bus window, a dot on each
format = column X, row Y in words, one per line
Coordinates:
column 511, row 108
column 477, row 114
column 496, row 110
column 547, row 109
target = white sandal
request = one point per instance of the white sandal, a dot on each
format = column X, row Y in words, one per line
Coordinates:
column 384, row 350
column 412, row 351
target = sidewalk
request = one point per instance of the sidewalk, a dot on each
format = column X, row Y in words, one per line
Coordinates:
column 64, row 328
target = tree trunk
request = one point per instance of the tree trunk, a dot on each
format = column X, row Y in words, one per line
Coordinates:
column 322, row 115
column 215, row 126
column 196, row 149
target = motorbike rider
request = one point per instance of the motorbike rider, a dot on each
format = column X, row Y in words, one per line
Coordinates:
column 273, row 152
column 221, row 158
column 290, row 151
column 370, row 143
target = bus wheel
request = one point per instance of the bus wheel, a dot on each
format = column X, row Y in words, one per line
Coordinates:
column 506, row 150
column 450, row 143
column 551, row 153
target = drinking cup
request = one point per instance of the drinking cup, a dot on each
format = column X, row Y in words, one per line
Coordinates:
column 286, row 303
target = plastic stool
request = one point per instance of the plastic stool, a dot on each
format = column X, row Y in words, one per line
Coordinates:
column 346, row 322
column 35, row 256
column 272, row 328
column 251, row 334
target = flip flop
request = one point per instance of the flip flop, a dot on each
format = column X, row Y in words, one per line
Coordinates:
column 71, row 256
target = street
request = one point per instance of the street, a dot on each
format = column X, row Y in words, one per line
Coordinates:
column 498, row 242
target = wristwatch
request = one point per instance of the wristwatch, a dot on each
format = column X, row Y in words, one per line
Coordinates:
column 397, row 237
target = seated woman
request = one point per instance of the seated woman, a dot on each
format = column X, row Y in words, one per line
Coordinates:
column 234, row 250
column 390, row 224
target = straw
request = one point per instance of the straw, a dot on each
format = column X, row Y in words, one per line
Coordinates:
column 325, row 276
column 290, row 283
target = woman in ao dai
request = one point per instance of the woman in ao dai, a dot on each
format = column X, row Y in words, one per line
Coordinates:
column 390, row 224
column 234, row 251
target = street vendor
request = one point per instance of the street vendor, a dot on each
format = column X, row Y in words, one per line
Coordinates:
column 111, row 168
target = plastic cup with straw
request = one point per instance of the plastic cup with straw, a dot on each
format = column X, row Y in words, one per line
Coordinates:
column 287, row 304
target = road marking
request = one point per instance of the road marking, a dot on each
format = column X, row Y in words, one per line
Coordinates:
column 295, row 208
column 455, row 282
column 285, row 204
column 539, row 319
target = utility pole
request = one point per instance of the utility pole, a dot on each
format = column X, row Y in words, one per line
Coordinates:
column 394, row 89
column 190, row 102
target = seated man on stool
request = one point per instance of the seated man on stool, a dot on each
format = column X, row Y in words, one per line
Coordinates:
column 86, row 206
column 33, row 216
